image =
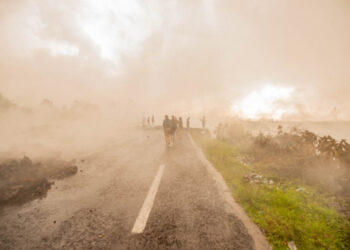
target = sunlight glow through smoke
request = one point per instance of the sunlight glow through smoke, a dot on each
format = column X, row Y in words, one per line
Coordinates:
column 270, row 102
column 115, row 26
column 61, row 48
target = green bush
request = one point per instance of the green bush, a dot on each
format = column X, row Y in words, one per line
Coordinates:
column 283, row 212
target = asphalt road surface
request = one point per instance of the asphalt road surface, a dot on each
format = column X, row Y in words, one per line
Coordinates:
column 134, row 194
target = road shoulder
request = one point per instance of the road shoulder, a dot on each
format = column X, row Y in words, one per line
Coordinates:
column 232, row 206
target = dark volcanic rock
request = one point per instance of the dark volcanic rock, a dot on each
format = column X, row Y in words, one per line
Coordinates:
column 24, row 180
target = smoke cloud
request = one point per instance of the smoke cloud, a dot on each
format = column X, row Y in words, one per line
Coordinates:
column 195, row 57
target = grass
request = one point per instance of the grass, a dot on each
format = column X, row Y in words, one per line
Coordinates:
column 283, row 213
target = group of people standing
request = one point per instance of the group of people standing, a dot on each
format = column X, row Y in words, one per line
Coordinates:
column 171, row 127
column 148, row 121
column 174, row 126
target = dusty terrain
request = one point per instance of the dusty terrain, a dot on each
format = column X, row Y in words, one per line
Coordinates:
column 96, row 208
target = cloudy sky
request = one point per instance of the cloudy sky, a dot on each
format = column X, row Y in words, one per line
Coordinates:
column 272, row 58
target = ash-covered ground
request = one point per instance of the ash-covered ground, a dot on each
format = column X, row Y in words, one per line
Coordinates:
column 23, row 180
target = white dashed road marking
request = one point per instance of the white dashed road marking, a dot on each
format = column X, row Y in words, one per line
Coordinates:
column 142, row 218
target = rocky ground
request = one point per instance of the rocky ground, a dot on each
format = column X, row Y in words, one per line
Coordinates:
column 24, row 180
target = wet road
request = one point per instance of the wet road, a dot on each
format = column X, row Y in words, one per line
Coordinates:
column 98, row 208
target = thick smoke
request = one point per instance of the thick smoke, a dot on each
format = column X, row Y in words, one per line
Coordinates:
column 195, row 57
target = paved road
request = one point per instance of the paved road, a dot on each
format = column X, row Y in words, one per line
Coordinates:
column 97, row 208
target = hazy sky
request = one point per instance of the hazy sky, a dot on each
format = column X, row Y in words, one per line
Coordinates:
column 289, row 57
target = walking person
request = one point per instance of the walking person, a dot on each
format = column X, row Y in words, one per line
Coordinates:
column 203, row 120
column 152, row 120
column 180, row 127
column 173, row 130
column 167, row 127
column 188, row 122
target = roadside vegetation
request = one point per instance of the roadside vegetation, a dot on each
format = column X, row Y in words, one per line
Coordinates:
column 294, row 185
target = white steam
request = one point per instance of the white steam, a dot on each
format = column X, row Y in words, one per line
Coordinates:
column 269, row 102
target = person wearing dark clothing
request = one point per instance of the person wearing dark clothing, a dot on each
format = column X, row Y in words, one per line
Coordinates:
column 173, row 129
column 167, row 127
column 152, row 120
column 180, row 127
column 203, row 120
